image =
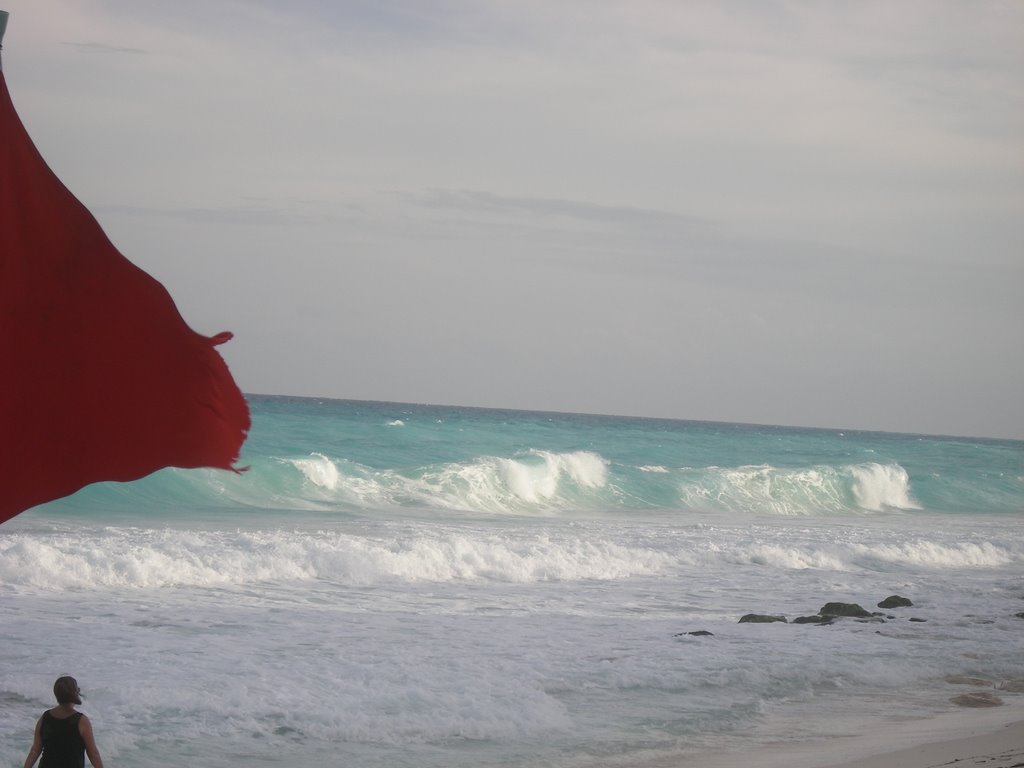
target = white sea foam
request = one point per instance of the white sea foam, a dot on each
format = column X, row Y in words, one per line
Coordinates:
column 452, row 643
column 934, row 554
column 878, row 556
column 791, row 558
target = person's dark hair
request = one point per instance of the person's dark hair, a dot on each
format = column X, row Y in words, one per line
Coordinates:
column 66, row 690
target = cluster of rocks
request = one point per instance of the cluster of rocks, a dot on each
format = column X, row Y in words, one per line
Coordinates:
column 830, row 612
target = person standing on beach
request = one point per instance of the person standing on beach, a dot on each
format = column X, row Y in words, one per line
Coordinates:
column 63, row 735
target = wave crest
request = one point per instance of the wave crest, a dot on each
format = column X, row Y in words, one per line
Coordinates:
column 535, row 482
column 547, row 482
column 538, row 481
column 762, row 489
column 138, row 558
column 877, row 487
column 133, row 558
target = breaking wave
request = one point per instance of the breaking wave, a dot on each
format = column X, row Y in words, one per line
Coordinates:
column 540, row 481
column 131, row 557
column 544, row 483
column 817, row 490
column 547, row 482
column 137, row 558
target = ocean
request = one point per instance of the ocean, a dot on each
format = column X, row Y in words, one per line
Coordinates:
column 394, row 585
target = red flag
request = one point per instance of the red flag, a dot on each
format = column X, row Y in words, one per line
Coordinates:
column 100, row 377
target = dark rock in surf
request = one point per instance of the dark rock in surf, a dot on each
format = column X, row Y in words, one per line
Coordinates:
column 761, row 618
column 895, row 601
column 1019, row 615
column 701, row 633
column 845, row 609
column 814, row 620
column 921, row 621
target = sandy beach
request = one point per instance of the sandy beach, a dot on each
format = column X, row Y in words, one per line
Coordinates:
column 1001, row 748
column 993, row 738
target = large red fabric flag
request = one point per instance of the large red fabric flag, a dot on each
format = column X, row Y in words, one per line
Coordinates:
column 100, row 377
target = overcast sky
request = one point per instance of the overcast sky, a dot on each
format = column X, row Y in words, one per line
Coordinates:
column 770, row 212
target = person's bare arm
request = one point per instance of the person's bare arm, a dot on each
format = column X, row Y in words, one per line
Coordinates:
column 37, row 745
column 85, row 730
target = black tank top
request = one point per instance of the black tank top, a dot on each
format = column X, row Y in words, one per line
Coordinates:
column 62, row 743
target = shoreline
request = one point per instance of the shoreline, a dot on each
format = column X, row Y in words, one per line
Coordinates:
column 993, row 738
column 1001, row 748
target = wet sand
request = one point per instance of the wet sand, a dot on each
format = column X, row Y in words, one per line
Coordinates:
column 1001, row 748
column 993, row 738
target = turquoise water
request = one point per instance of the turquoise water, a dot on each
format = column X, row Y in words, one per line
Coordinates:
column 404, row 585
column 355, row 457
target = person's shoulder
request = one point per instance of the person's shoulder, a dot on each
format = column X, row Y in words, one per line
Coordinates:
column 84, row 725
